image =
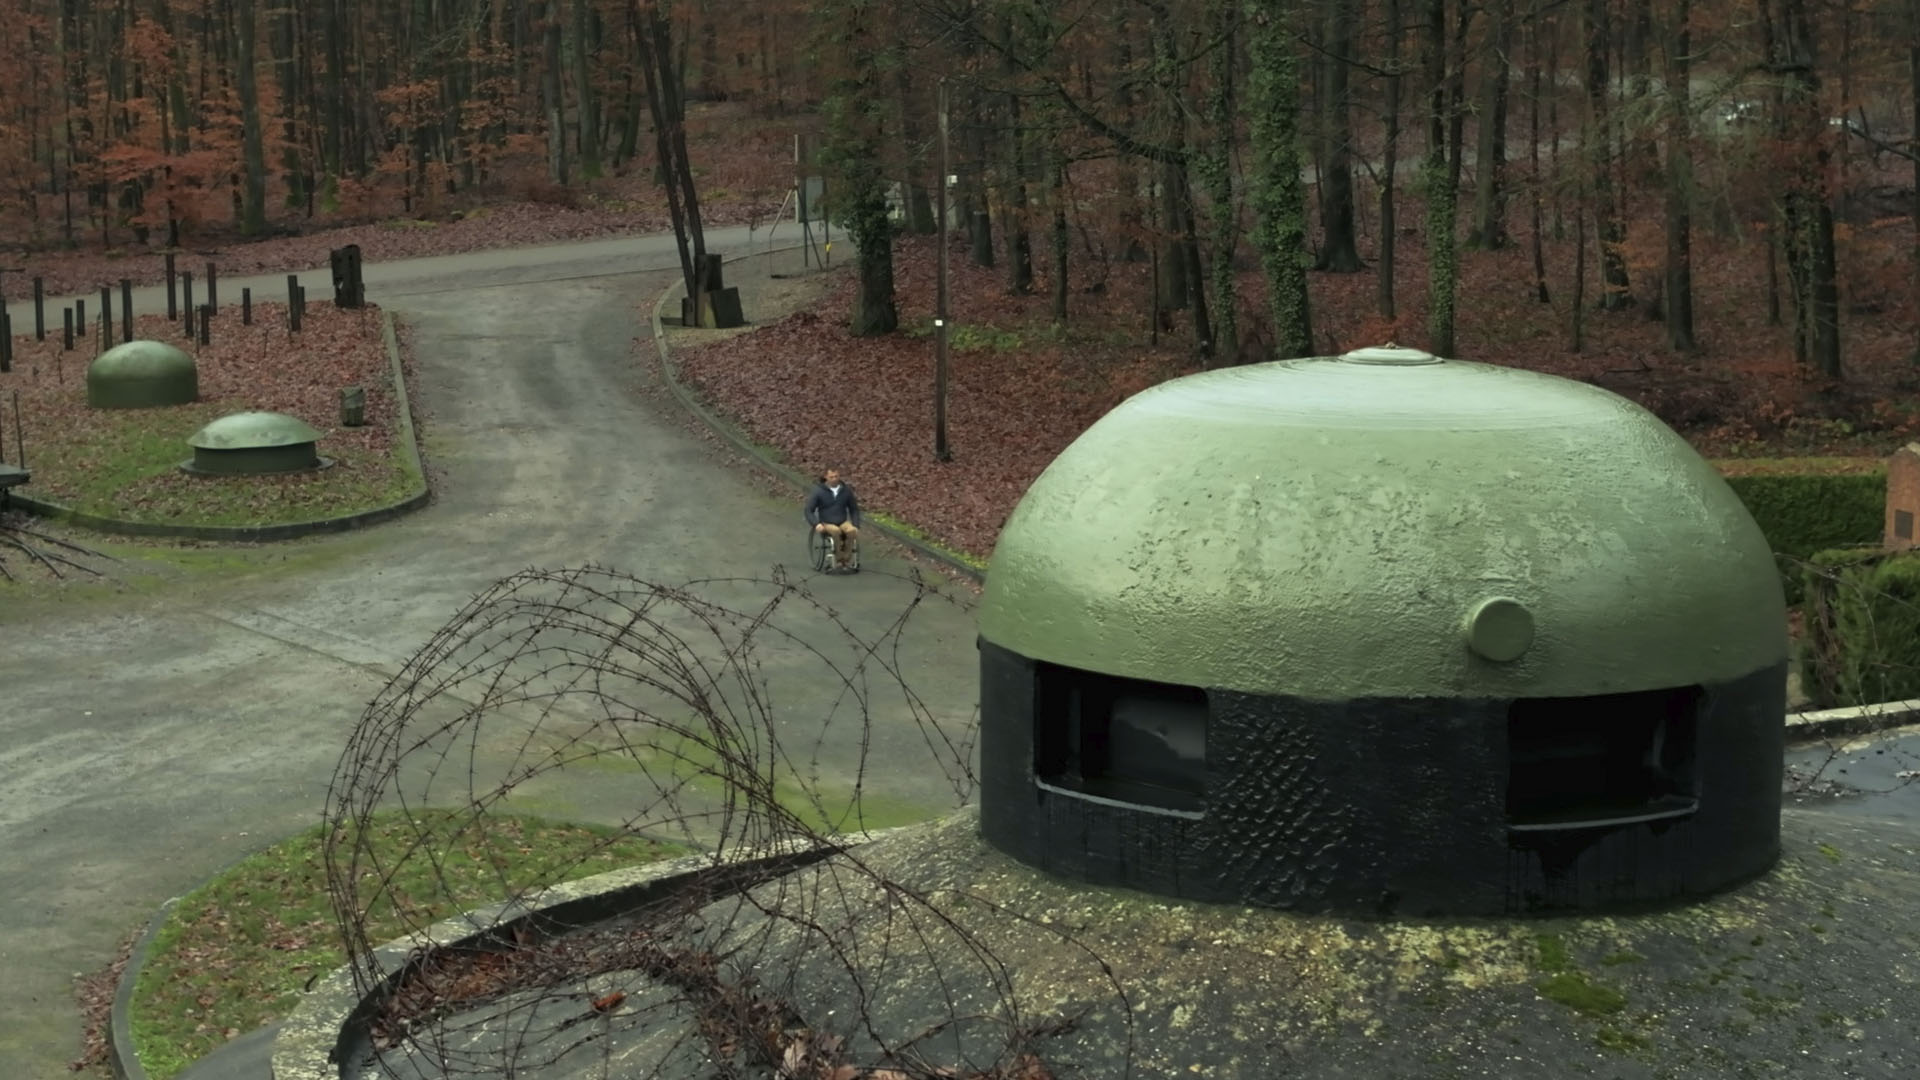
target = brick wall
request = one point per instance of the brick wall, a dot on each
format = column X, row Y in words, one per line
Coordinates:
column 1903, row 498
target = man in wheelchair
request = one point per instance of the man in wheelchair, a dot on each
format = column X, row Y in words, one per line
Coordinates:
column 834, row 511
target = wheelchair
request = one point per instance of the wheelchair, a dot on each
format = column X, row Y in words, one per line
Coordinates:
column 820, row 553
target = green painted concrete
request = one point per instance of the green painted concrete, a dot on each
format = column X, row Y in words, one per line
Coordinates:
column 253, row 430
column 142, row 375
column 253, row 443
column 1329, row 529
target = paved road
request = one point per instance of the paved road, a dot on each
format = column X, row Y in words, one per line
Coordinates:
column 147, row 741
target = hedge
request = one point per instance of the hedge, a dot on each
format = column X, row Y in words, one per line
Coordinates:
column 1809, row 505
column 1862, row 627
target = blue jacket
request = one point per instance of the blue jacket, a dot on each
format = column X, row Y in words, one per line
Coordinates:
column 825, row 506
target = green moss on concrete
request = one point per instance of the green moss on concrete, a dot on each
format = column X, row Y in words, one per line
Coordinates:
column 1581, row 994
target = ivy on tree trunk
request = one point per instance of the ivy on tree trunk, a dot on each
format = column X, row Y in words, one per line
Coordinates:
column 1277, row 194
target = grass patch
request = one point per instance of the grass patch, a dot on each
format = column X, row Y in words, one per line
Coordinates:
column 1550, row 953
column 125, row 465
column 237, row 952
column 1832, row 853
column 1581, row 994
column 902, row 527
column 1622, row 956
column 818, row 805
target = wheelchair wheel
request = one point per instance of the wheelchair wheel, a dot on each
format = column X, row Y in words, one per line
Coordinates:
column 819, row 550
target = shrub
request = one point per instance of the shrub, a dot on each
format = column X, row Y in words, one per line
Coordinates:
column 1862, row 627
column 1805, row 505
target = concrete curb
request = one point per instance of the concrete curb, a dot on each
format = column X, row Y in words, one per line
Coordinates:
column 758, row 455
column 328, row 1026
column 409, row 450
column 121, row 1054
column 1853, row 720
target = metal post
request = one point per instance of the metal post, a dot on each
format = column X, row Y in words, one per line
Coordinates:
column 6, row 342
column 19, row 437
column 80, row 317
column 66, row 342
column 213, row 296
column 126, row 309
column 941, row 451
column 186, row 303
column 206, row 324
column 39, row 309
column 246, row 307
column 173, row 310
column 106, row 317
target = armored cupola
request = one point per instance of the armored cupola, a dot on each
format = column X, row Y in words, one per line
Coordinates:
column 254, row 442
column 142, row 375
column 1384, row 634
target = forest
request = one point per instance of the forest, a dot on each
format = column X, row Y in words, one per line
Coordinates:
column 1670, row 180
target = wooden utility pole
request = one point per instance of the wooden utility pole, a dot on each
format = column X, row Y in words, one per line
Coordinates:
column 941, row 451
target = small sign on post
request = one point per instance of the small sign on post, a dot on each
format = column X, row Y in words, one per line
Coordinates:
column 1903, row 499
column 353, row 406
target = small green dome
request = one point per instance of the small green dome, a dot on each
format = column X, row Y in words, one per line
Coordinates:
column 142, row 375
column 254, row 443
column 253, row 431
column 1386, row 524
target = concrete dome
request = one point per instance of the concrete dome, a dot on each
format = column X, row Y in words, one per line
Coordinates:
column 254, row 442
column 252, row 431
column 1342, row 526
column 1381, row 634
column 142, row 375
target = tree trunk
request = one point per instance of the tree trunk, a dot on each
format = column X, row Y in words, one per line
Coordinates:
column 1216, row 174
column 916, row 197
column 1060, row 235
column 1809, row 202
column 1437, row 179
column 1390, row 168
column 1340, row 253
column 855, row 137
column 1277, row 194
column 586, row 103
column 1540, row 291
column 1490, row 153
column 1615, row 290
column 1913, row 80
column 1679, row 277
column 555, row 104
column 253, row 213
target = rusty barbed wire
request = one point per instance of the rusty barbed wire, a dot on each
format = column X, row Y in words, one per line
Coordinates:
column 740, row 716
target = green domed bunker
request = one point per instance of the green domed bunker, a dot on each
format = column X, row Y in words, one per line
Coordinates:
column 1384, row 635
column 252, row 443
column 142, row 375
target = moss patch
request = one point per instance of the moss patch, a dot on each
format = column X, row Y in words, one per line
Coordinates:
column 1581, row 994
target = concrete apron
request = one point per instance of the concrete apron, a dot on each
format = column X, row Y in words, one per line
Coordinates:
column 149, row 739
column 1788, row 972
